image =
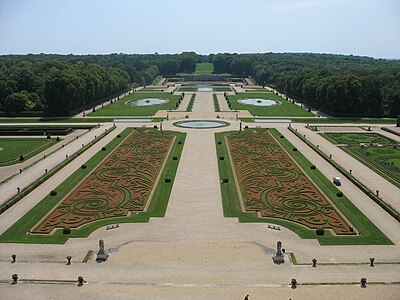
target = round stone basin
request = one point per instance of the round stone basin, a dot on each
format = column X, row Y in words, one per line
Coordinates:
column 147, row 102
column 201, row 124
column 258, row 102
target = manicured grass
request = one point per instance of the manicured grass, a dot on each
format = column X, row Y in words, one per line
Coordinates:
column 284, row 109
column 121, row 108
column 356, row 138
column 383, row 160
column 204, row 69
column 17, row 233
column 12, row 148
column 370, row 233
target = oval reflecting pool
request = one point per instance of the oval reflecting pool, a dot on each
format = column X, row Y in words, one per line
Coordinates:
column 258, row 102
column 201, row 124
column 147, row 101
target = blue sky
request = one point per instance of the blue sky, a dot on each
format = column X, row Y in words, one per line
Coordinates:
column 358, row 27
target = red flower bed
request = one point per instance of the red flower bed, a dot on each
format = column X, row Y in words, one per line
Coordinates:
column 120, row 184
column 272, row 183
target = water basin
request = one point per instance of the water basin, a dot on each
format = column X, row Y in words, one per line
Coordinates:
column 205, row 89
column 258, row 102
column 201, row 124
column 146, row 102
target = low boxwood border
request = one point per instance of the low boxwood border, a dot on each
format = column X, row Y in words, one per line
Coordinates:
column 371, row 235
column 17, row 233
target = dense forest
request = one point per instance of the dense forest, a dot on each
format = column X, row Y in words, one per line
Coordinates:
column 339, row 85
column 59, row 84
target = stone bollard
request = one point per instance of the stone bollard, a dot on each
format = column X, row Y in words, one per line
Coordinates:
column 45, row 171
column 80, row 280
column 363, row 282
column 371, row 262
column 377, row 192
column 69, row 259
column 351, row 171
column 314, row 263
column 293, row 283
column 18, row 190
column 330, row 156
column 14, row 258
column 14, row 278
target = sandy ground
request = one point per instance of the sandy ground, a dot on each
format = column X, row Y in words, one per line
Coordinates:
column 194, row 252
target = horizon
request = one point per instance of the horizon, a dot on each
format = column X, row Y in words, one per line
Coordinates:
column 368, row 28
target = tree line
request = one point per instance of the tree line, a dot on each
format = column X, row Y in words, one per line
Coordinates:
column 58, row 84
column 340, row 85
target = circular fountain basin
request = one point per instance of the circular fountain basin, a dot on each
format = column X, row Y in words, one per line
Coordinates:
column 259, row 102
column 146, row 102
column 201, row 124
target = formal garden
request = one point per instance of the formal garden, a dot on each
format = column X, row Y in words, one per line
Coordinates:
column 379, row 153
column 277, row 184
column 118, row 184
column 139, row 104
column 266, row 104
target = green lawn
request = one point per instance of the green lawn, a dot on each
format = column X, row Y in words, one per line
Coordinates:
column 284, row 109
column 356, row 138
column 121, row 108
column 17, row 233
column 371, row 235
column 332, row 121
column 12, row 148
column 204, row 69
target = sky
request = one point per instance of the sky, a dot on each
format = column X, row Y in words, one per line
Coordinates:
column 358, row 27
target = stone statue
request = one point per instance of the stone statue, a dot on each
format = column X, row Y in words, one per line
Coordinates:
column 101, row 254
column 278, row 256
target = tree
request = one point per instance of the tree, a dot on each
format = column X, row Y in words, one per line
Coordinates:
column 16, row 102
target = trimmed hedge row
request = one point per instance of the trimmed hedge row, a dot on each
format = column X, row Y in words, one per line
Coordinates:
column 362, row 187
column 41, row 180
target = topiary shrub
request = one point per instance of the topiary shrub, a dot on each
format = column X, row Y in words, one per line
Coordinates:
column 118, row 136
column 225, row 180
column 174, row 158
column 221, row 158
column 58, row 139
column 282, row 137
column 246, row 127
column 48, row 137
column 219, row 143
column 167, row 180
column 104, row 148
column 294, row 149
column 179, row 143
column 84, row 166
column 66, row 230
column 320, row 231
column 155, row 126
column 21, row 158
column 339, row 194
column 313, row 167
column 53, row 193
